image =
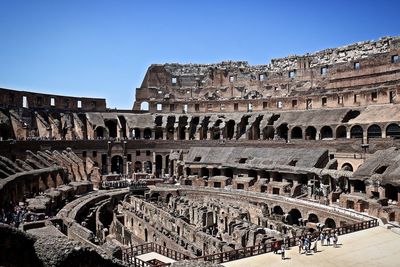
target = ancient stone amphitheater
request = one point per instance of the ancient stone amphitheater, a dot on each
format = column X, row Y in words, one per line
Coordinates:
column 214, row 163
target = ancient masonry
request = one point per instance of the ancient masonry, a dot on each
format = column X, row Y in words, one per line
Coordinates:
column 214, row 162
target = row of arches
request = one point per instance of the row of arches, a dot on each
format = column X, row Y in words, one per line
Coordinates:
column 294, row 217
column 356, row 131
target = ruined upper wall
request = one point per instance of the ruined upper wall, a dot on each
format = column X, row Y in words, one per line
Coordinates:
column 22, row 99
column 371, row 63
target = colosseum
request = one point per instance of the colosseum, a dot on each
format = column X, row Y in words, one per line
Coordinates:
column 215, row 163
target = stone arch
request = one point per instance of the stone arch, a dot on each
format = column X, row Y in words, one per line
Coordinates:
column 341, row 132
column 158, row 134
column 313, row 218
column 374, row 131
column 228, row 172
column 282, row 131
column 137, row 167
column 264, row 210
column 144, row 106
column 356, row 131
column 330, row 223
column 112, row 126
column 326, row 132
column 347, row 167
column 158, row 165
column 204, row 172
column 268, row 132
column 311, row 133
column 155, row 196
column 215, row 172
column 230, row 129
column 277, row 210
column 6, row 132
column 100, row 132
column 148, row 166
column 170, row 133
column 147, row 133
column 393, row 130
column 168, row 198
column 117, row 164
column 136, row 133
column 294, row 216
column 344, row 184
column 296, row 133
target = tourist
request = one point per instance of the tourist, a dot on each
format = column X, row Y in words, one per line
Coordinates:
column 335, row 239
column 300, row 244
column 283, row 252
column 275, row 247
column 322, row 238
column 328, row 239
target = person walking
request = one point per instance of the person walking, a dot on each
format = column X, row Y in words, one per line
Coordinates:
column 283, row 252
column 300, row 245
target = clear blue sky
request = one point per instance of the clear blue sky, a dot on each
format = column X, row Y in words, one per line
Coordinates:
column 103, row 48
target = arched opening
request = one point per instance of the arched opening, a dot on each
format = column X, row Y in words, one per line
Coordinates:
column 228, row 172
column 204, row 172
column 168, row 198
column 112, row 128
column 343, row 184
column 252, row 173
column 297, row 133
column 182, row 133
column 158, row 165
column 215, row 133
column 117, row 164
column 170, row 133
column 277, row 210
column 136, row 133
column 374, row 131
column 359, row 186
column 294, row 216
column 147, row 133
column 282, row 131
column 356, row 132
column 326, row 132
column 215, row 172
column 330, row 223
column 393, row 130
column 311, row 133
column 158, row 133
column 268, row 133
column 148, row 166
column 347, row 167
column 137, row 167
column 6, row 132
column 230, row 129
column 100, row 132
column 341, row 132
column 391, row 192
column 167, row 164
column 144, row 106
column 313, row 218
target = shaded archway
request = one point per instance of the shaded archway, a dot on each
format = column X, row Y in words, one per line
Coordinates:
column 137, row 166
column 100, row 132
column 204, row 172
column 277, row 210
column 117, row 164
column 311, row 133
column 297, row 133
column 341, row 132
column 330, row 223
column 294, row 216
column 326, row 132
column 112, row 128
column 356, row 132
column 268, row 132
column 282, row 131
column 347, row 167
column 374, row 131
column 147, row 133
column 215, row 172
column 6, row 132
column 158, row 165
column 230, row 129
column 144, row 106
column 170, row 133
column 136, row 133
column 313, row 218
column 393, row 130
column 228, row 172
column 158, row 133
column 148, row 166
